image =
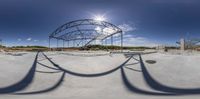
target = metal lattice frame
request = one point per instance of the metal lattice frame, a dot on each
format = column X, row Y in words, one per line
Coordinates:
column 190, row 43
column 87, row 30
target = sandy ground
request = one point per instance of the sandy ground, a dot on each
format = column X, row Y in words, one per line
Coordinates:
column 60, row 75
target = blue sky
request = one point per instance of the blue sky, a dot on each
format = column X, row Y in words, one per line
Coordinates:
column 145, row 22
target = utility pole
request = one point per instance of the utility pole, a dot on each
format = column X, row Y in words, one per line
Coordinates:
column 63, row 45
column 1, row 42
column 121, row 42
column 49, row 44
column 182, row 44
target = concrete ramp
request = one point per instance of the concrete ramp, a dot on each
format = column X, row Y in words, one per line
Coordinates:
column 57, row 75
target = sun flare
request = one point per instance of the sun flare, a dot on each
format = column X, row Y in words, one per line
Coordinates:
column 99, row 18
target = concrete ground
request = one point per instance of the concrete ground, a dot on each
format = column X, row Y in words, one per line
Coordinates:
column 60, row 75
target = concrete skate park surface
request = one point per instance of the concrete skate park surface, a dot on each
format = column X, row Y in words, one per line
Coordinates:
column 101, row 75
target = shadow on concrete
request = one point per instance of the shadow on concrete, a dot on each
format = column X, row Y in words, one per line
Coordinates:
column 25, row 82
column 48, row 72
column 155, row 85
column 43, row 59
column 132, row 64
column 132, row 88
column 132, row 69
column 161, row 87
column 16, row 54
column 55, row 86
column 59, row 82
column 47, row 66
column 158, row 88
column 87, row 75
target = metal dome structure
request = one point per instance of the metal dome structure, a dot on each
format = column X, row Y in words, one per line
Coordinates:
column 85, row 31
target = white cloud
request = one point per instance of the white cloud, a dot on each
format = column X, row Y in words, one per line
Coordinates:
column 139, row 41
column 36, row 40
column 29, row 39
column 19, row 39
column 130, row 40
column 127, row 28
column 127, row 36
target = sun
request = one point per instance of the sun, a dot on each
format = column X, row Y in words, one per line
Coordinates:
column 99, row 18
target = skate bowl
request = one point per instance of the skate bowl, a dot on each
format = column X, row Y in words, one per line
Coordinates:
column 117, row 75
